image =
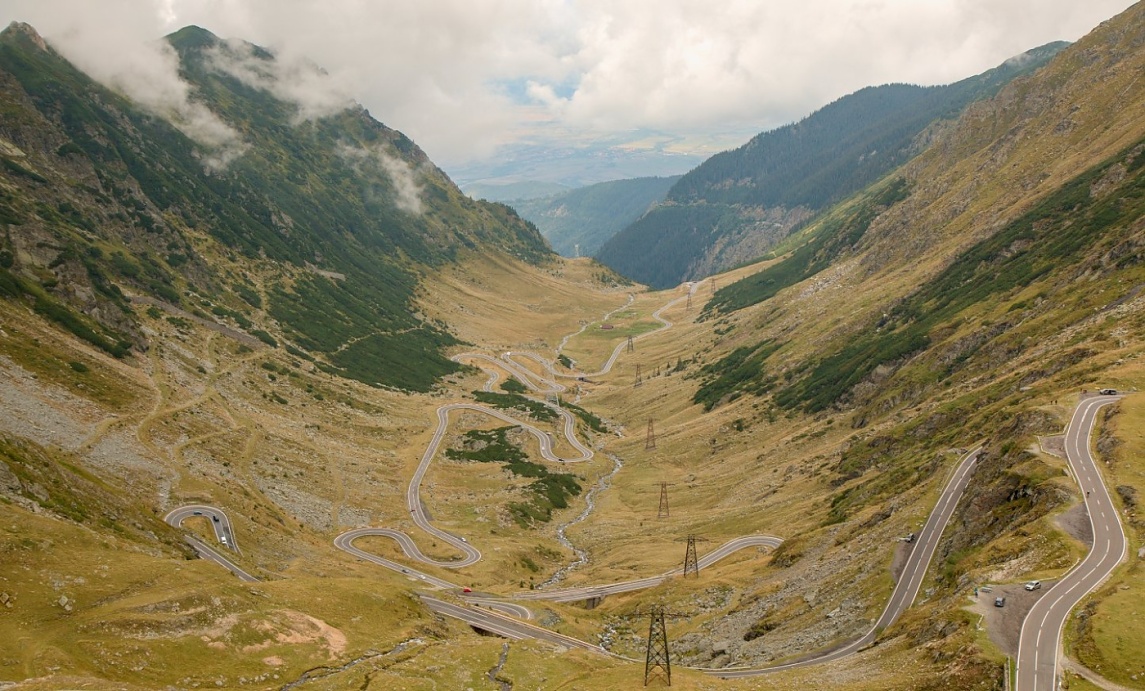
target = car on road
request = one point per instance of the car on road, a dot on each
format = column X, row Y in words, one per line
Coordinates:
column 999, row 602
column 223, row 539
column 197, row 513
column 215, row 519
column 1107, row 392
column 1033, row 585
column 467, row 590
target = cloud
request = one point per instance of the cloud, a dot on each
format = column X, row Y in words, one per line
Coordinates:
column 407, row 190
column 119, row 47
column 437, row 69
column 289, row 77
column 403, row 176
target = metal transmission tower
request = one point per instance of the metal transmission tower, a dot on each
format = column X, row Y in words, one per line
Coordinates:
column 650, row 440
column 662, row 512
column 631, row 346
column 689, row 305
column 639, row 381
column 691, row 563
column 657, row 665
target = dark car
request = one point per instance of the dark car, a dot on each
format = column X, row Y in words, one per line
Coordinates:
column 215, row 519
column 999, row 602
column 1107, row 392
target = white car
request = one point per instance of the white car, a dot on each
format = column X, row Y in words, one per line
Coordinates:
column 1033, row 585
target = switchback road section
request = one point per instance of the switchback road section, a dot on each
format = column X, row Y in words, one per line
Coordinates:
column 224, row 533
column 1040, row 640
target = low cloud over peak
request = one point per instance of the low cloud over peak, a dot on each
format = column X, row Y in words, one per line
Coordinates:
column 438, row 69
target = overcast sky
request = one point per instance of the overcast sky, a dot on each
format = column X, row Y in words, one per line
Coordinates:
column 464, row 76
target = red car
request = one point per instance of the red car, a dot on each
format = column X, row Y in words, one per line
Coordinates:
column 467, row 590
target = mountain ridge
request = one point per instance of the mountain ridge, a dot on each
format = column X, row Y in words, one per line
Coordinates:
column 340, row 193
column 738, row 204
column 588, row 216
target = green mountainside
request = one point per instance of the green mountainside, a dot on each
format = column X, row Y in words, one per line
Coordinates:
column 964, row 293
column 513, row 191
column 309, row 233
column 589, row 216
column 738, row 204
column 951, row 261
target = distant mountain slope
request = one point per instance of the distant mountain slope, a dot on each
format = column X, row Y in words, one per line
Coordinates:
column 996, row 249
column 513, row 191
column 313, row 229
column 589, row 216
column 739, row 203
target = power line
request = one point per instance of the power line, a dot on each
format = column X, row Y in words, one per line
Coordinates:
column 662, row 512
column 691, row 563
column 657, row 661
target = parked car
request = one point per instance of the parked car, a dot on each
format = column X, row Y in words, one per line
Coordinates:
column 1107, row 392
column 909, row 538
column 1033, row 585
column 999, row 602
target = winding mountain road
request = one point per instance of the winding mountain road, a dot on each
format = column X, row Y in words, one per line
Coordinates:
column 592, row 591
column 534, row 382
column 223, row 533
column 1040, row 640
column 901, row 597
column 613, row 357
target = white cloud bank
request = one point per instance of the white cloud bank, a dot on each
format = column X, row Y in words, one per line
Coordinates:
column 461, row 77
column 288, row 77
column 118, row 46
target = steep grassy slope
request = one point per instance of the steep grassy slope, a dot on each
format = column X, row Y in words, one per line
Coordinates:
column 316, row 230
column 739, row 203
column 589, row 216
column 971, row 296
column 1012, row 247
column 948, row 238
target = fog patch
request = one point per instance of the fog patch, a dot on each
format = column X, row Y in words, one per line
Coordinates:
column 403, row 176
column 287, row 77
column 147, row 73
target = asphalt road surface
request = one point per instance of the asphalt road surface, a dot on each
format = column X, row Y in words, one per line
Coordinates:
column 620, row 347
column 1040, row 640
column 588, row 592
column 504, row 626
column 223, row 533
column 909, row 581
column 413, row 492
